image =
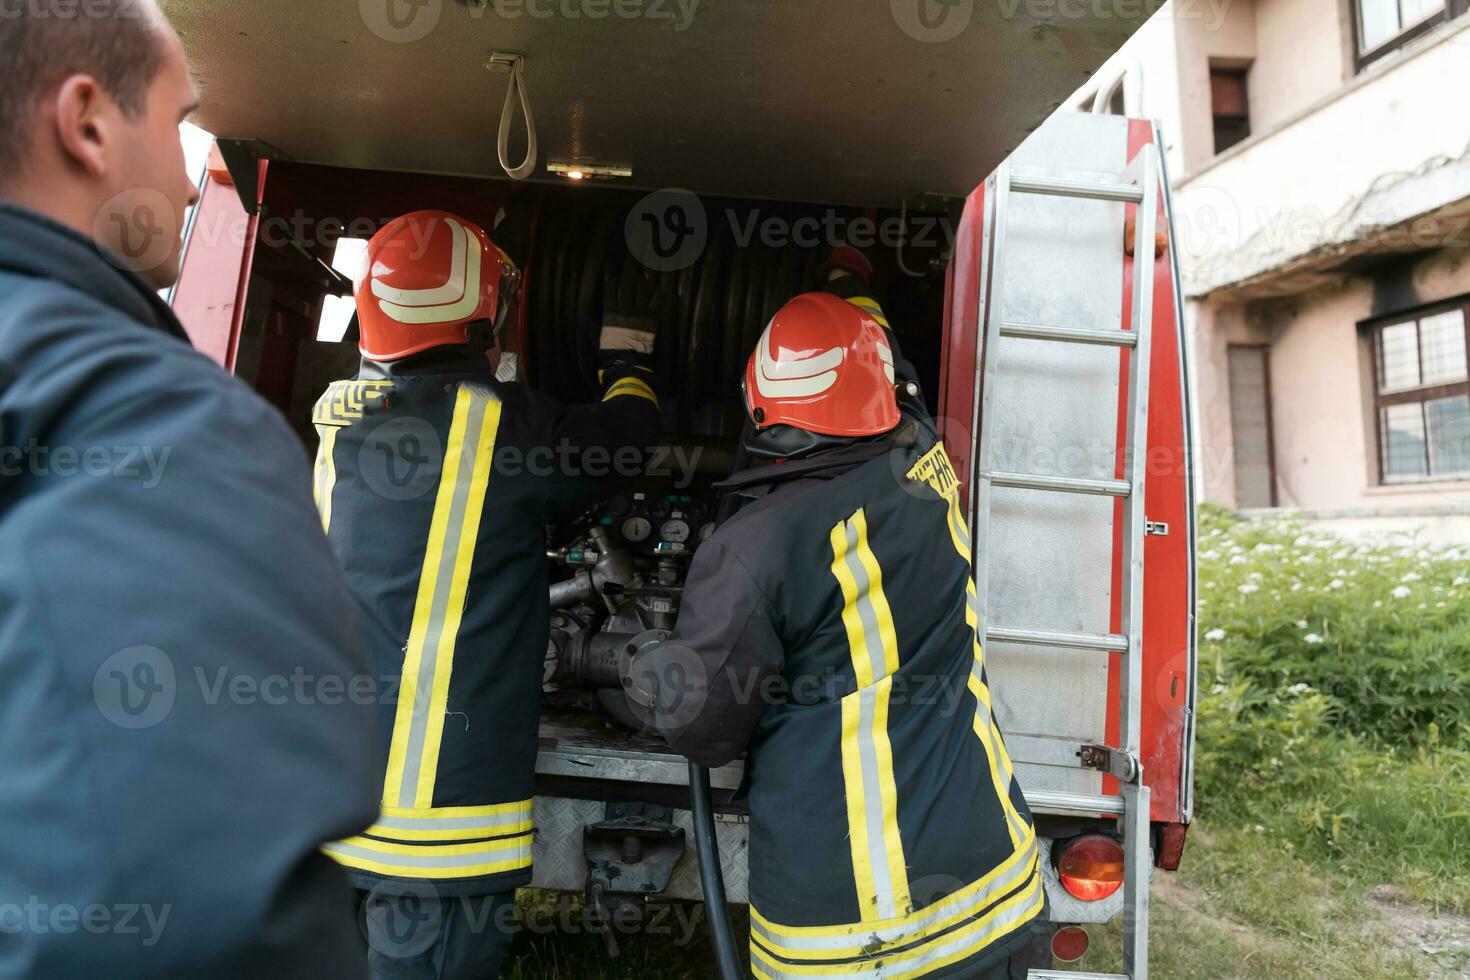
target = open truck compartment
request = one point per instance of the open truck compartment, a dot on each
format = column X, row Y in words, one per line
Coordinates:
column 833, row 112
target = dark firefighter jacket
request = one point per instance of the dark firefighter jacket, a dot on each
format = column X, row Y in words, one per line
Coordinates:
column 829, row 628
column 175, row 645
column 435, row 490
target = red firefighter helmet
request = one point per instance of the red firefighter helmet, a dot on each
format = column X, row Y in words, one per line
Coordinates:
column 825, row 366
column 428, row 275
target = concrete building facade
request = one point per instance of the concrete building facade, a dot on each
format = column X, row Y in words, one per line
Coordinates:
column 1320, row 157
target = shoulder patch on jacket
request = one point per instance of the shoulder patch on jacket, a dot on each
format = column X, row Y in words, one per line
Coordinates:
column 934, row 469
column 343, row 401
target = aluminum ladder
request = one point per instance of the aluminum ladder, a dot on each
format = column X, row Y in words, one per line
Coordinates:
column 1139, row 185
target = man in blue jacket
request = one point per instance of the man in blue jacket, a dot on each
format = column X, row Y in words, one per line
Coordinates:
column 181, row 696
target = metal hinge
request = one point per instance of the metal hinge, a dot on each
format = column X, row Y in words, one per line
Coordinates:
column 1155, row 527
column 1123, row 765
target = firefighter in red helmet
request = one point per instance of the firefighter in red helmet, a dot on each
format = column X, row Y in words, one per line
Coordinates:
column 828, row 630
column 435, row 482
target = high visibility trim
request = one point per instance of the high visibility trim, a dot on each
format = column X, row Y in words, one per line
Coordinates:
column 934, row 468
column 635, row 387
column 452, row 823
column 325, row 474
column 879, row 870
column 871, row 307
column 418, row 724
column 474, row 505
column 862, row 938
column 433, row 860
column 344, row 401
column 996, row 758
column 945, row 944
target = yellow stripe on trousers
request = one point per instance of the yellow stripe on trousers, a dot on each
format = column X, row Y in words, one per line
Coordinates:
column 418, row 724
column 880, row 873
column 325, row 474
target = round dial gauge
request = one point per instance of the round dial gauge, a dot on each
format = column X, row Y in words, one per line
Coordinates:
column 676, row 530
column 637, row 529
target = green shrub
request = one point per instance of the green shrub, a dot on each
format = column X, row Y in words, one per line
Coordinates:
column 1381, row 632
column 1334, row 701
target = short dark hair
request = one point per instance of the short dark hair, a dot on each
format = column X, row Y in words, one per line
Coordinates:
column 44, row 42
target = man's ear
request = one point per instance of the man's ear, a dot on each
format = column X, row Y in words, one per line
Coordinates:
column 82, row 123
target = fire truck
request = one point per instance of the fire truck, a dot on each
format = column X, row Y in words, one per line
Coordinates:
column 1022, row 256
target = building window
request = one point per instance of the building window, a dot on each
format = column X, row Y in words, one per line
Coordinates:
column 1385, row 25
column 1423, row 395
column 1229, row 107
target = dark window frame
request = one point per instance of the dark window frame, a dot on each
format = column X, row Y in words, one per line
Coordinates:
column 1411, row 396
column 1362, row 59
column 1242, row 74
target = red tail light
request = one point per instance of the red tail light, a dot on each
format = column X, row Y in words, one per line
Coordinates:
column 1091, row 867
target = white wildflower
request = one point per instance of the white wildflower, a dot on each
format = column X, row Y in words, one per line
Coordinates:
column 1312, row 639
column 1301, row 624
column 1299, row 688
column 1215, row 635
column 1401, row 592
column 1411, row 577
column 1249, row 587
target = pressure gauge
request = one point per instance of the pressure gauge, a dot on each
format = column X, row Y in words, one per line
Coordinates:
column 676, row 530
column 659, row 508
column 636, row 530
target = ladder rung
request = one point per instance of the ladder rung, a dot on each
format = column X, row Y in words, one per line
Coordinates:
column 1069, row 335
column 1073, row 804
column 1079, row 641
column 1064, row 975
column 1061, row 484
column 1093, row 189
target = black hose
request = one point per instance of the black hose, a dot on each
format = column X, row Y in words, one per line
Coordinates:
column 711, row 877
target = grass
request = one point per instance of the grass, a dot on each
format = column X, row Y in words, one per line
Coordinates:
column 1332, row 774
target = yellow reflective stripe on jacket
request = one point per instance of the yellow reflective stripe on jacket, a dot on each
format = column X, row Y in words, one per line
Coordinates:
column 325, row 474
column 867, row 755
column 934, row 469
column 433, row 860
column 865, row 940
column 935, row 954
column 871, row 307
column 635, row 387
column 447, row 823
column 418, row 724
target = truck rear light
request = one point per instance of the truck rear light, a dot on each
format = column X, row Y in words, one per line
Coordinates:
column 1069, row 944
column 1091, row 867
